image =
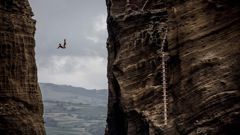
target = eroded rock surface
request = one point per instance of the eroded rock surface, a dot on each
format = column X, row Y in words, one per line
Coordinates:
column 203, row 67
column 21, row 105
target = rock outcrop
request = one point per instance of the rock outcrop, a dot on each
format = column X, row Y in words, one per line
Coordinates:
column 21, row 107
column 203, row 68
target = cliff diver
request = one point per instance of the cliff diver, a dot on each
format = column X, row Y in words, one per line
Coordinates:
column 62, row 46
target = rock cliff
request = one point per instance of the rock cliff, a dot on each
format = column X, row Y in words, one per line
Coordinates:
column 21, row 105
column 203, row 68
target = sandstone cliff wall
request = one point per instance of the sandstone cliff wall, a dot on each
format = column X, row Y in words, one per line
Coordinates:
column 203, row 67
column 21, row 107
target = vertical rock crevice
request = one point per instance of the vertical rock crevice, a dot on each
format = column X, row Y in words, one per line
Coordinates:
column 21, row 107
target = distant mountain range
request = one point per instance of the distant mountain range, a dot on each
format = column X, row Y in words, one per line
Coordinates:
column 74, row 110
column 67, row 93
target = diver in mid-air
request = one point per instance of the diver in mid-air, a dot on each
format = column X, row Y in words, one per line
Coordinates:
column 62, row 46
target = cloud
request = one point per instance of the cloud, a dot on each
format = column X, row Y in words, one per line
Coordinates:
column 93, row 39
column 100, row 24
column 86, row 34
column 99, row 29
column 88, row 72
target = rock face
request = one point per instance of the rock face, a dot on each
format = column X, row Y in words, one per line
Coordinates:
column 21, row 105
column 203, row 68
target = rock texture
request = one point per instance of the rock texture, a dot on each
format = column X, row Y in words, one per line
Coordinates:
column 21, row 105
column 203, row 67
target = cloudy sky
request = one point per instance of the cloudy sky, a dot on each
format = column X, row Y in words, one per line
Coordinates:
column 83, row 24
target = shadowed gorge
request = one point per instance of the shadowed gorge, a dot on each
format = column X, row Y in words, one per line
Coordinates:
column 203, row 69
column 198, row 62
column 21, row 106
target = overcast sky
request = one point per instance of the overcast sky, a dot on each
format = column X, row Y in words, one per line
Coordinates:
column 83, row 24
